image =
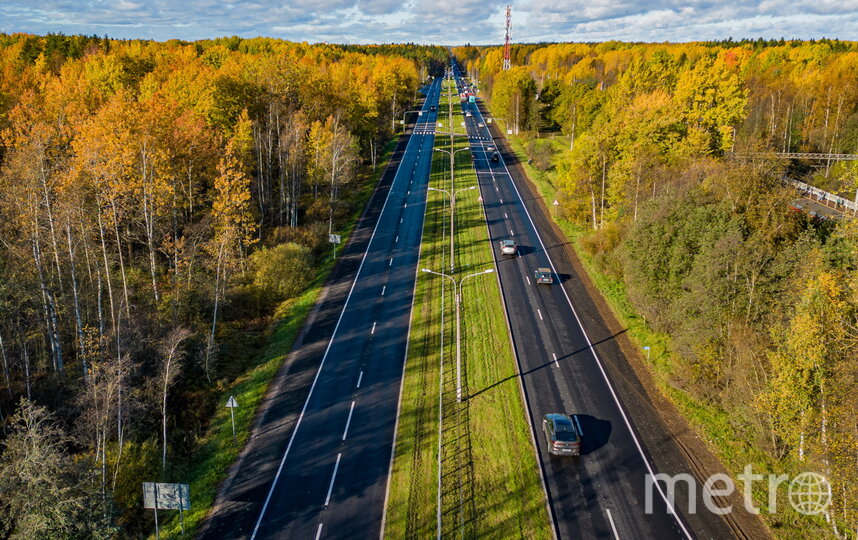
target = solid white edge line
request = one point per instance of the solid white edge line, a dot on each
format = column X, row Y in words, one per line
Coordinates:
column 360, row 378
column 327, row 349
column 333, row 477
column 670, row 507
column 402, row 382
column 319, row 532
column 521, row 389
column 349, row 420
column 611, row 521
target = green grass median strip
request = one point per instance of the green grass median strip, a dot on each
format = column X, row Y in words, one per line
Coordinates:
column 490, row 486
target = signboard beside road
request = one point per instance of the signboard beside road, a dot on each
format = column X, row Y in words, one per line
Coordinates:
column 231, row 405
column 163, row 496
column 334, row 239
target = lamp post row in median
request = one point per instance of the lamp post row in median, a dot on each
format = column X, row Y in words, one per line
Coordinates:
column 452, row 199
column 457, row 289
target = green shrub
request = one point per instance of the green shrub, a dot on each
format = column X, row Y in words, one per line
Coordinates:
column 281, row 272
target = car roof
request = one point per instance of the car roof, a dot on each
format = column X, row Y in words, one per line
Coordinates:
column 508, row 242
column 544, row 270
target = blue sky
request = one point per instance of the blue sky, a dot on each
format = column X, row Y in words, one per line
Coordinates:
column 439, row 21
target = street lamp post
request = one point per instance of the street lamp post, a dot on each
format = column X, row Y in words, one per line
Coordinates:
column 419, row 113
column 453, row 198
column 457, row 289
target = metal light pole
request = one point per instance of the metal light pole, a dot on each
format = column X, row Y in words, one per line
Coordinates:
column 457, row 288
column 452, row 199
column 419, row 113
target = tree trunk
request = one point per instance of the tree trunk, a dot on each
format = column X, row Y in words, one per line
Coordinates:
column 121, row 259
column 75, row 297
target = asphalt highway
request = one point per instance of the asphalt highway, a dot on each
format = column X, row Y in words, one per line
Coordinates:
column 602, row 493
column 326, row 475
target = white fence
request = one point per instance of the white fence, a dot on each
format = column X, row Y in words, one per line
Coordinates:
column 823, row 196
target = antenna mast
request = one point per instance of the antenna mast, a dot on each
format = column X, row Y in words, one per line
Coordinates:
column 506, row 55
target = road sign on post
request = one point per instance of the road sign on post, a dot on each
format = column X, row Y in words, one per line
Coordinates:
column 232, row 404
column 555, row 204
column 158, row 495
column 334, row 239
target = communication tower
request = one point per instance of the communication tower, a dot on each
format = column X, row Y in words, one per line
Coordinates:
column 506, row 53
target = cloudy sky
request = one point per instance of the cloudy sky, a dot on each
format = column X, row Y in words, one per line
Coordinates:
column 436, row 21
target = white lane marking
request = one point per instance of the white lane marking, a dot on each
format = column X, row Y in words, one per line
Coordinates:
column 611, row 521
column 333, row 477
column 496, row 189
column 349, row 420
column 540, row 314
column 405, row 205
column 505, row 216
column 319, row 532
column 408, row 192
column 511, row 233
column 324, row 357
column 501, row 201
column 396, row 241
column 577, row 423
column 360, row 378
column 400, row 219
column 671, row 510
column 556, row 364
column 373, row 329
column 528, row 279
column 391, row 262
column 383, row 288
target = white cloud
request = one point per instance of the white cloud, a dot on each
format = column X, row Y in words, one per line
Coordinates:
column 441, row 21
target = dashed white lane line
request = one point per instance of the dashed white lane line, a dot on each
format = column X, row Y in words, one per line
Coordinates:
column 371, row 332
column 383, row 288
column 405, row 205
column 528, row 279
column 505, row 216
column 539, row 313
column 333, row 477
column 349, row 420
column 555, row 360
column 319, row 532
column 501, row 201
column 611, row 521
column 496, row 189
column 511, row 233
column 391, row 262
column 397, row 240
column 400, row 219
column 360, row 378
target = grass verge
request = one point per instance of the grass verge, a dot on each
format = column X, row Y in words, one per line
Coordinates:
column 216, row 451
column 491, row 486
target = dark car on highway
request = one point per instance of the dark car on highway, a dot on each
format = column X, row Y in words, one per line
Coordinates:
column 561, row 437
column 543, row 275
